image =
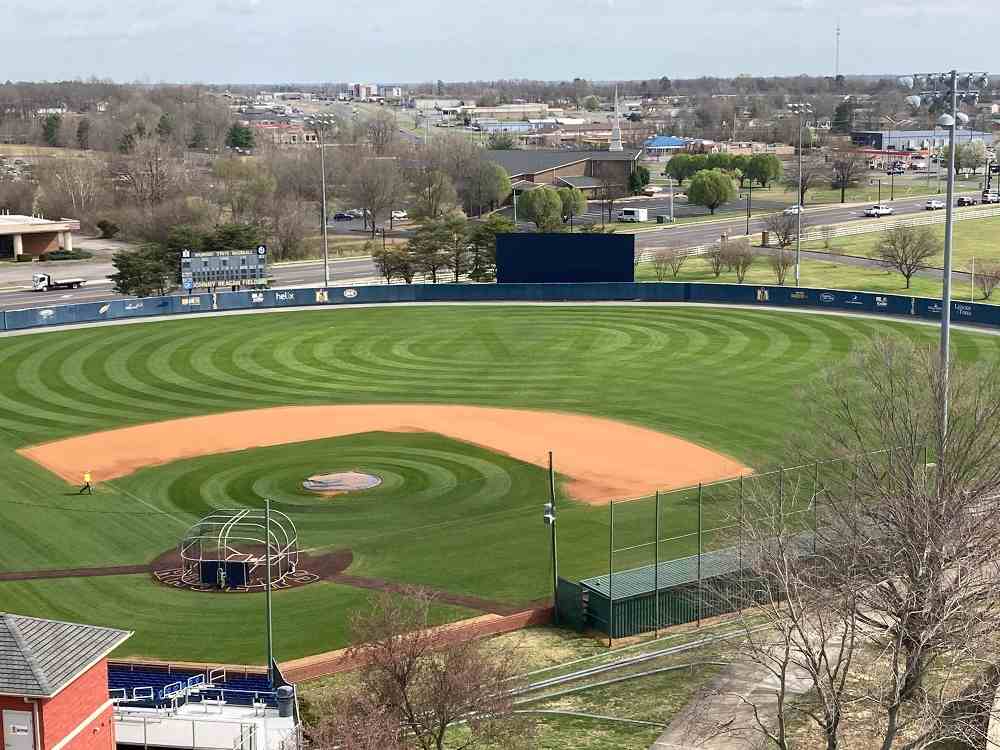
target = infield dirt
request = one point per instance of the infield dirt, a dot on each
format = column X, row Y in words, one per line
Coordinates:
column 603, row 458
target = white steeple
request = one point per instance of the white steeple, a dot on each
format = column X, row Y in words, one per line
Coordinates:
column 616, row 131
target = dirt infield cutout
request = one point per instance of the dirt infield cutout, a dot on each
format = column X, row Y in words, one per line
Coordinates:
column 605, row 459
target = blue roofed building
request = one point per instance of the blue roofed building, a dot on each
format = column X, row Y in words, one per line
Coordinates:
column 663, row 145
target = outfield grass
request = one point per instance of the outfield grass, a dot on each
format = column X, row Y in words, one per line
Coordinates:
column 450, row 515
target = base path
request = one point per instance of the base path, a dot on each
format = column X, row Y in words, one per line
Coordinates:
column 604, row 459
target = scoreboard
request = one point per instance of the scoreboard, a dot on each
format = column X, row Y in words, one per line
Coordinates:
column 214, row 268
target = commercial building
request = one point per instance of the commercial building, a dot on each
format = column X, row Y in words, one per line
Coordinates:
column 54, row 684
column 598, row 174
column 914, row 140
column 33, row 236
column 282, row 133
column 509, row 112
column 663, row 145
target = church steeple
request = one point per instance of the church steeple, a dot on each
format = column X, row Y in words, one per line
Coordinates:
column 616, row 130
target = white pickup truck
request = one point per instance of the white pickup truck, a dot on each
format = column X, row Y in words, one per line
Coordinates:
column 43, row 282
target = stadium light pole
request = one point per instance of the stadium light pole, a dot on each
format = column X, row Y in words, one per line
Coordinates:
column 549, row 517
column 320, row 123
column 948, row 95
column 267, row 591
column 800, row 109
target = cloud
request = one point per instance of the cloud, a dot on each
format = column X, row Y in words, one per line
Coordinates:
column 242, row 7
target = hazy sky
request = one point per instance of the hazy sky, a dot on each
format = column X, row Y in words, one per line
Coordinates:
column 417, row 40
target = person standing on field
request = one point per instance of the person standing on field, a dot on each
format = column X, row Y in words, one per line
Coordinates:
column 86, row 484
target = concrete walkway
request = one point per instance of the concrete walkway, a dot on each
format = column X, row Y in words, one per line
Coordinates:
column 721, row 717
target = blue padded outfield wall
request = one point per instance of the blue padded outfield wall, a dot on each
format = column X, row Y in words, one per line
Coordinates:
column 530, row 258
column 762, row 296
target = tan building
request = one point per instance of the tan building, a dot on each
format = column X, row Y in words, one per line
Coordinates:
column 31, row 236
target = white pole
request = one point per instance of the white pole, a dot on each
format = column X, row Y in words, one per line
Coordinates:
column 670, row 182
column 972, row 292
column 326, row 239
column 514, row 192
column 946, row 285
column 798, row 211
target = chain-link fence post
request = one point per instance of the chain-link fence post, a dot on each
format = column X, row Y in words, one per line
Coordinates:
column 611, row 555
column 656, row 567
column 700, row 594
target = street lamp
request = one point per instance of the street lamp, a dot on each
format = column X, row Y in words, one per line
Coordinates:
column 800, row 109
column 320, row 124
column 949, row 96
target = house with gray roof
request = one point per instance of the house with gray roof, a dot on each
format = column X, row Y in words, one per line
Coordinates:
column 599, row 174
column 54, row 684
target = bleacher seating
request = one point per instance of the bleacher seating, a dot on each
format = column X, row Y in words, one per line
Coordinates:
column 235, row 689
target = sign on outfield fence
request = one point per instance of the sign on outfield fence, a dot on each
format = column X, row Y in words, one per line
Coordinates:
column 215, row 268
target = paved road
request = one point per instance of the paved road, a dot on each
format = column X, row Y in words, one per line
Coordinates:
column 689, row 235
column 15, row 280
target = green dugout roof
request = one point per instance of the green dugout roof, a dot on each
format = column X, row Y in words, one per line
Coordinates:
column 626, row 584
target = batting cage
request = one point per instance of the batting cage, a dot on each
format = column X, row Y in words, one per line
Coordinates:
column 239, row 550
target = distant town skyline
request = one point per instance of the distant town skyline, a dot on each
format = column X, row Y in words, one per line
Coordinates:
column 264, row 41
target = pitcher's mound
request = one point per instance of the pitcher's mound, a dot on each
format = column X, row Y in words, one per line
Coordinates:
column 344, row 481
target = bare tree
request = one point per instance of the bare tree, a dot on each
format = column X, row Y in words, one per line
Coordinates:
column 814, row 171
column 911, row 528
column 376, row 185
column 716, row 259
column 781, row 261
column 76, row 186
column 148, row 173
column 739, row 256
column 801, row 632
column 355, row 721
column 988, row 278
column 661, row 262
column 382, row 130
column 782, row 227
column 668, row 258
column 416, row 681
column 906, row 249
column 846, row 168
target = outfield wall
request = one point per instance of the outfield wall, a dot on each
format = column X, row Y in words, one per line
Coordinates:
column 763, row 296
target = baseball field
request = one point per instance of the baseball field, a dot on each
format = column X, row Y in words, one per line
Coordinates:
column 453, row 407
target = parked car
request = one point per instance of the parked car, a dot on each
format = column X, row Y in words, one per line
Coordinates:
column 966, row 200
column 398, row 215
column 343, row 216
column 934, row 204
column 894, row 171
column 792, row 210
column 991, row 197
column 357, row 213
column 879, row 209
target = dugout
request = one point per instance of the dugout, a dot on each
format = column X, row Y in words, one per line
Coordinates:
column 674, row 592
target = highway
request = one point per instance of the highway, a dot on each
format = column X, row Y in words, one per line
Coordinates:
column 15, row 279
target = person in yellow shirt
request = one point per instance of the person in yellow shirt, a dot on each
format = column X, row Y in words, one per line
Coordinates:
column 86, row 484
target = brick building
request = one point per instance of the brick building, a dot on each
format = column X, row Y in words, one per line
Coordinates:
column 594, row 172
column 54, row 684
